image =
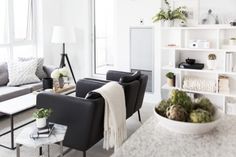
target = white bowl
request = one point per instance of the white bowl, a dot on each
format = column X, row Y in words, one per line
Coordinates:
column 187, row 127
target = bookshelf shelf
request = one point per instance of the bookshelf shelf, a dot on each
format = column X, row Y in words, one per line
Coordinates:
column 172, row 56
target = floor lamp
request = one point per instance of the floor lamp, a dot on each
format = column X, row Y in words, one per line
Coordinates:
column 63, row 35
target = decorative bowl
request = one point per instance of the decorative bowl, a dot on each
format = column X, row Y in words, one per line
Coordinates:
column 187, row 127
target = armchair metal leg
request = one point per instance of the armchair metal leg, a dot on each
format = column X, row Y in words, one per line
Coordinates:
column 84, row 153
column 139, row 117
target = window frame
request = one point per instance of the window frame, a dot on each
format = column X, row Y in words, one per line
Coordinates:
column 20, row 42
column 94, row 43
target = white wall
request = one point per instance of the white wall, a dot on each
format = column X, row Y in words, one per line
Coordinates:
column 51, row 14
column 77, row 14
column 69, row 13
column 129, row 14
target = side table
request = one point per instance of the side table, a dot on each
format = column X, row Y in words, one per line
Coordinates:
column 57, row 136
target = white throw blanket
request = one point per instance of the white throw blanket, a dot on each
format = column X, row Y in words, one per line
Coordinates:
column 115, row 131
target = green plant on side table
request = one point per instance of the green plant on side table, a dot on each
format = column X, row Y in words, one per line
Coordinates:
column 169, row 15
column 41, row 116
column 170, row 79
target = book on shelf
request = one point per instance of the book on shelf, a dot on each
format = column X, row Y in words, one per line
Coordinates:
column 42, row 133
column 229, row 62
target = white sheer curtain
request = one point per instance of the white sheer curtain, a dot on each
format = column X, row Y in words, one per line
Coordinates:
column 4, row 23
column 23, row 19
column 17, row 29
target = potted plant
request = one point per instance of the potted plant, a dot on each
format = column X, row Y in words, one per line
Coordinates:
column 211, row 62
column 59, row 74
column 169, row 15
column 170, row 79
column 41, row 116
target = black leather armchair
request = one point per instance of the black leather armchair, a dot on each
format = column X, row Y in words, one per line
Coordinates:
column 84, row 116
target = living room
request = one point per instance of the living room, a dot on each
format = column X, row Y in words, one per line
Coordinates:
column 117, row 78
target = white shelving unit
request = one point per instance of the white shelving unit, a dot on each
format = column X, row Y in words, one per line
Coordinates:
column 171, row 57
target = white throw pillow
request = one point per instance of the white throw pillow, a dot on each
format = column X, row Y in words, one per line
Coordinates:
column 22, row 73
column 39, row 71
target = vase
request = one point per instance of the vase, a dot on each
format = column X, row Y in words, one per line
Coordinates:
column 41, row 122
column 61, row 82
column 170, row 82
column 211, row 64
column 168, row 23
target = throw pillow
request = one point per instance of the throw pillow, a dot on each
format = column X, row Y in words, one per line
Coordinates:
column 22, row 73
column 3, row 74
column 130, row 78
column 39, row 71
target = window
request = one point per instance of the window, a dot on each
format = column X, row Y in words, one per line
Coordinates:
column 16, row 29
column 103, row 35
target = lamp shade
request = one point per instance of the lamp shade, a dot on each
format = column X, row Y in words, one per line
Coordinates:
column 62, row 34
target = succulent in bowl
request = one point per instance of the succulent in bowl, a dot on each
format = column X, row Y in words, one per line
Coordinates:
column 161, row 108
column 181, row 98
column 176, row 112
column 205, row 104
column 200, row 116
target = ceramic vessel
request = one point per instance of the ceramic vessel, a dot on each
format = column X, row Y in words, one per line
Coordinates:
column 232, row 42
column 41, row 122
column 168, row 23
column 211, row 64
column 170, row 82
column 187, row 127
column 61, row 82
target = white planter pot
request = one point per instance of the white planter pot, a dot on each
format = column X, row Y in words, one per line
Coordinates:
column 41, row 122
column 168, row 23
column 232, row 42
column 170, row 82
column 211, row 64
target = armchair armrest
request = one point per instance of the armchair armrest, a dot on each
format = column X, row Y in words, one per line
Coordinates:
column 83, row 117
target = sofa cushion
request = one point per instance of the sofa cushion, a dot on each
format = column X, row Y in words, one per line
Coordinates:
column 130, row 78
column 33, row 86
column 22, row 73
column 7, row 93
column 3, row 74
column 40, row 73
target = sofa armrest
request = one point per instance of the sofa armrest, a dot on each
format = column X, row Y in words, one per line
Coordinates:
column 49, row 69
column 84, row 86
column 83, row 118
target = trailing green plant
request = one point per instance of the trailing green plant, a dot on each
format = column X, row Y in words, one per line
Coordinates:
column 212, row 56
column 170, row 75
column 179, row 13
column 42, row 113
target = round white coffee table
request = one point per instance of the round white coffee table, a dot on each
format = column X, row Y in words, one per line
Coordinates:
column 57, row 136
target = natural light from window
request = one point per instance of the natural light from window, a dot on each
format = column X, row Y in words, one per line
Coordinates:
column 16, row 29
column 104, row 35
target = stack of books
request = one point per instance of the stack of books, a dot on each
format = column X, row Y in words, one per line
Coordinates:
column 224, row 84
column 42, row 133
